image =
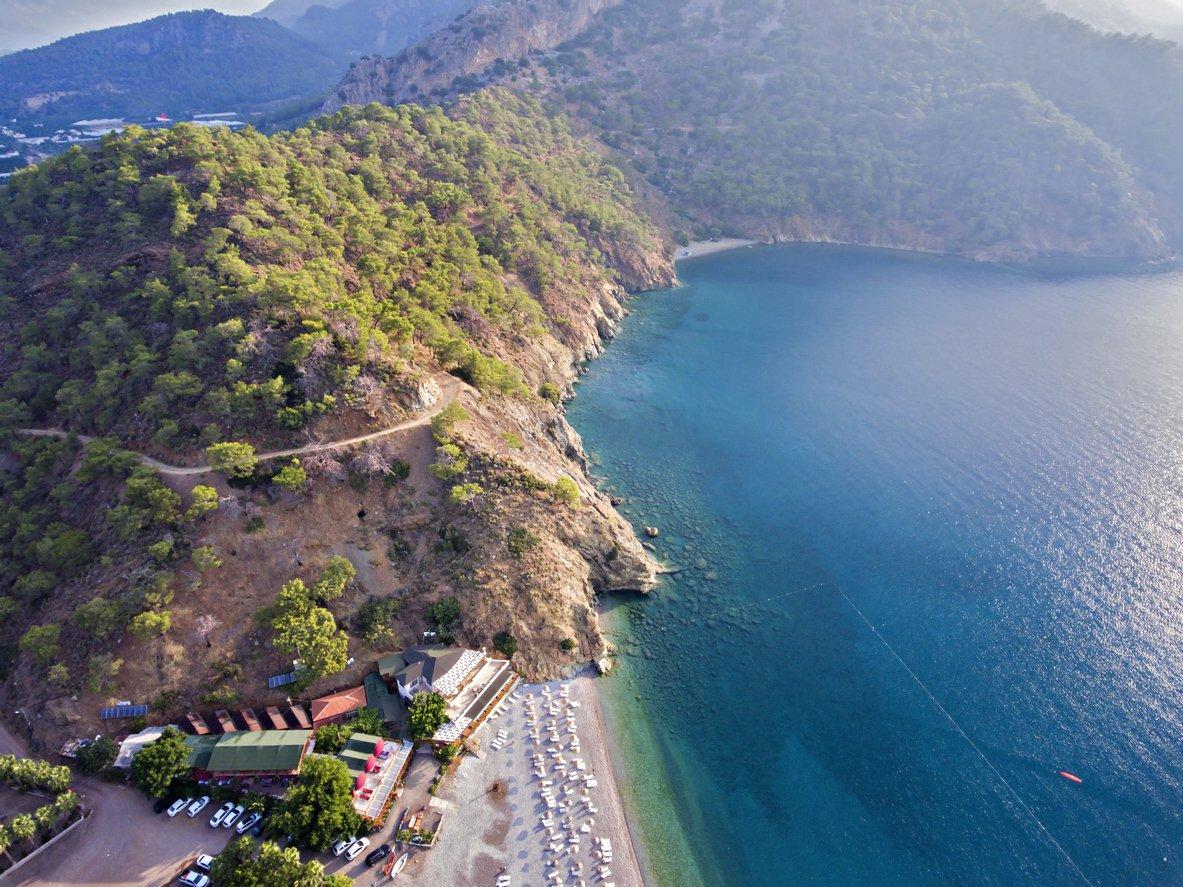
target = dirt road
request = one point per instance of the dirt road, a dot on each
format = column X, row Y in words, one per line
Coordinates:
column 450, row 388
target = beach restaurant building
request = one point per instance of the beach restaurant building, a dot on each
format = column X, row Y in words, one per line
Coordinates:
column 471, row 681
column 430, row 668
column 377, row 767
column 249, row 753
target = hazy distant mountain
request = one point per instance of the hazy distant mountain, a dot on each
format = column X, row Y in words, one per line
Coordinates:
column 986, row 127
column 28, row 23
column 286, row 12
column 192, row 61
column 361, row 27
column 1163, row 18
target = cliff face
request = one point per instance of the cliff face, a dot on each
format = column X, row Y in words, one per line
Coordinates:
column 467, row 47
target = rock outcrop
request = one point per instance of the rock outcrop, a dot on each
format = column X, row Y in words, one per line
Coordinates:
column 466, row 48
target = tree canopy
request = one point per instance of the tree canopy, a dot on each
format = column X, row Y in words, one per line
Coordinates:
column 318, row 808
column 158, row 763
column 428, row 712
column 309, row 631
column 245, row 864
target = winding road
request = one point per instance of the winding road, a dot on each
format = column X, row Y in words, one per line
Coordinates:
column 450, row 388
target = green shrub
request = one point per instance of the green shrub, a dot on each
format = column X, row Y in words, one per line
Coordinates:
column 232, row 458
column 445, row 421
column 505, row 644
column 549, row 391
column 565, row 491
column 519, row 540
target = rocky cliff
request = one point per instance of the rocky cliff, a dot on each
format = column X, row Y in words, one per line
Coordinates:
column 466, row 48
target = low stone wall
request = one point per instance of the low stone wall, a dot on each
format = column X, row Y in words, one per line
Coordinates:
column 85, row 815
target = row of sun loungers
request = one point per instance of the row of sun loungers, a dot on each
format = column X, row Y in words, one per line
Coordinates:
column 563, row 789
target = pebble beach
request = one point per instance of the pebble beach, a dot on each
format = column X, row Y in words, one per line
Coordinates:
column 540, row 804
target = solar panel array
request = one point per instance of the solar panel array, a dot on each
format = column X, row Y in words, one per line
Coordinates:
column 117, row 712
column 281, row 679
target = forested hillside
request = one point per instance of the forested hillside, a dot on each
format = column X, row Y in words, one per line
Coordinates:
column 988, row 128
column 977, row 127
column 190, row 293
column 250, row 284
column 175, row 64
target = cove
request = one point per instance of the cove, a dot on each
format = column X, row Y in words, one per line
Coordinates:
column 927, row 518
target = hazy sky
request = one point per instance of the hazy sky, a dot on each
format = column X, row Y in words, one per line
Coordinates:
column 25, row 23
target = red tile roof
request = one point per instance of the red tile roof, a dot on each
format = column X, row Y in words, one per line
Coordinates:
column 337, row 704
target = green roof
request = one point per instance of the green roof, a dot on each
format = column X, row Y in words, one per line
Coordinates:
column 379, row 698
column 200, row 748
column 391, row 664
column 358, row 750
column 258, row 751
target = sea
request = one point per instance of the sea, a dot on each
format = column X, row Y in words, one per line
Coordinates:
column 924, row 519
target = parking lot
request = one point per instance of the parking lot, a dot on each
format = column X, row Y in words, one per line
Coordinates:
column 125, row 843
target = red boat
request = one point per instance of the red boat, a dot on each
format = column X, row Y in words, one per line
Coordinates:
column 1071, row 777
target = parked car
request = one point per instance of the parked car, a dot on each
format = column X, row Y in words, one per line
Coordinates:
column 197, row 806
column 248, row 822
column 177, row 806
column 221, row 813
column 357, row 848
column 342, row 845
column 203, row 862
column 161, row 805
column 377, row 855
column 257, row 831
column 232, row 817
column 195, row 879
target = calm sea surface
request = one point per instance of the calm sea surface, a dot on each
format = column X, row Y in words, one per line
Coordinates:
column 928, row 518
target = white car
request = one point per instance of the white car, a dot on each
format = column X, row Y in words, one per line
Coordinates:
column 222, row 813
column 249, row 823
column 232, row 817
column 195, row 879
column 203, row 862
column 197, row 806
column 177, row 806
column 357, row 849
column 342, row 845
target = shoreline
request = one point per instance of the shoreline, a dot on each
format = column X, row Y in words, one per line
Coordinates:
column 699, row 248
column 613, row 754
column 490, row 831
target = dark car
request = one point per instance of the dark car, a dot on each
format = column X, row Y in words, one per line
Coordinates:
column 163, row 804
column 259, row 826
column 376, row 856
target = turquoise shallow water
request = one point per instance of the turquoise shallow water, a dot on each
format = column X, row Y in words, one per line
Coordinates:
column 987, row 465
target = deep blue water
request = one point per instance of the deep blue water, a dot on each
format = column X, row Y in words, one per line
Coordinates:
column 987, row 464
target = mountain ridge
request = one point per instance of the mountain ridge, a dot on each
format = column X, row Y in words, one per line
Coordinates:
column 176, row 63
column 853, row 122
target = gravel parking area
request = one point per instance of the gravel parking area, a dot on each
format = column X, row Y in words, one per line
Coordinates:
column 124, row 843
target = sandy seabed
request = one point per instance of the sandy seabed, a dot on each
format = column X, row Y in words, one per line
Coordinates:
column 494, row 809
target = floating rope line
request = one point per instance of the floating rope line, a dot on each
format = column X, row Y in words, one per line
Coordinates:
column 956, row 726
column 760, row 601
